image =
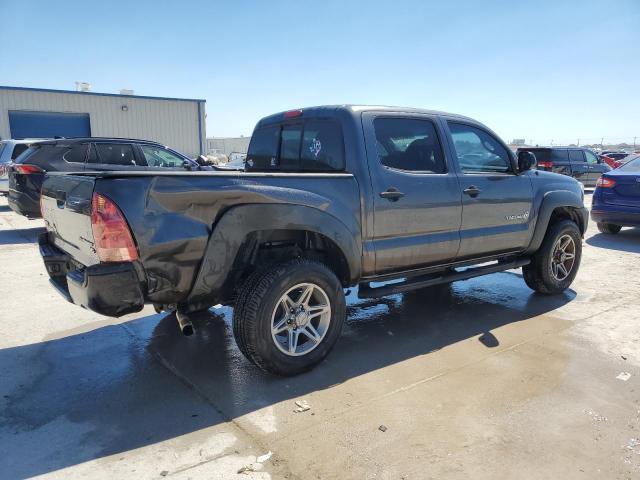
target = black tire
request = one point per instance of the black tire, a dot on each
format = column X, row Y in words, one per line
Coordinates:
column 609, row 228
column 538, row 275
column 257, row 302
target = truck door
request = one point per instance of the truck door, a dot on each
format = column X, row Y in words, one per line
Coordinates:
column 497, row 214
column 416, row 195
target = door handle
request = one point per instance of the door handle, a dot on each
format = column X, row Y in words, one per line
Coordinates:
column 472, row 191
column 392, row 194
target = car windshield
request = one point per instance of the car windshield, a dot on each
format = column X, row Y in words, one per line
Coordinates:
column 632, row 165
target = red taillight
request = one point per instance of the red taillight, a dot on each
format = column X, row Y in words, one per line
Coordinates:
column 27, row 169
column 293, row 114
column 545, row 164
column 604, row 182
column 110, row 232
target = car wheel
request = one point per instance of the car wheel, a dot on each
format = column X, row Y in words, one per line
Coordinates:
column 609, row 228
column 289, row 317
column 554, row 266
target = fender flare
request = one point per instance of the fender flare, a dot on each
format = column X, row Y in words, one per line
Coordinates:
column 551, row 201
column 231, row 230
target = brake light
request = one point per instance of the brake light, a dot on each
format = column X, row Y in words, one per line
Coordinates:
column 27, row 169
column 605, row 182
column 111, row 233
column 293, row 114
column 545, row 164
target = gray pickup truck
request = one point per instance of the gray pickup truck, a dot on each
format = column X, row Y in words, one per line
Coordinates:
column 331, row 197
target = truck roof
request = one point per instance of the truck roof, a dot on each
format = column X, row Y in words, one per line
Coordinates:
column 357, row 109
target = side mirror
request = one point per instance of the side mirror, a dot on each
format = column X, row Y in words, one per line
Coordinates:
column 526, row 161
column 187, row 165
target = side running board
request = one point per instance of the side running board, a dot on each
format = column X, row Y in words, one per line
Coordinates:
column 365, row 290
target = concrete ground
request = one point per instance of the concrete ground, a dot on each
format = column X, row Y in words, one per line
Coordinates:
column 483, row 380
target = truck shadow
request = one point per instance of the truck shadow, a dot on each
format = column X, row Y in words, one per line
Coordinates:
column 20, row 235
column 628, row 240
column 90, row 395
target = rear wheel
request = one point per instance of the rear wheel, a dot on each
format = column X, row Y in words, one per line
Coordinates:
column 289, row 317
column 609, row 228
column 555, row 264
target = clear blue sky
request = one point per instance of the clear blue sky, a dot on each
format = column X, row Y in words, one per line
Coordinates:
column 538, row 69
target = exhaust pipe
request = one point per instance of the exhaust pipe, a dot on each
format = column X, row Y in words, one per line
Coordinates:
column 186, row 327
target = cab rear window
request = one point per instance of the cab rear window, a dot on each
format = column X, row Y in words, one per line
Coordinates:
column 309, row 146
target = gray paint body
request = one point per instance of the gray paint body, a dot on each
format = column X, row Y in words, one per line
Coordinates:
column 189, row 227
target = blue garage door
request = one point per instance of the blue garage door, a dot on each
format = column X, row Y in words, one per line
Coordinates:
column 48, row 124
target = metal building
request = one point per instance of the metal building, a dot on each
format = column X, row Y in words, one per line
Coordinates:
column 228, row 145
column 41, row 113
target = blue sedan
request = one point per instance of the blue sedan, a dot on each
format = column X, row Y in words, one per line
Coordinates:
column 616, row 200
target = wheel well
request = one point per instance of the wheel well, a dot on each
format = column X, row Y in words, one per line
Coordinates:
column 274, row 246
column 567, row 213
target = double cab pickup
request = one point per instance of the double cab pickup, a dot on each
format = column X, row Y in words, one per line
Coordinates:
column 330, row 198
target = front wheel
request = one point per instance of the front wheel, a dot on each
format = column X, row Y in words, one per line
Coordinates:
column 555, row 265
column 289, row 317
column 609, row 228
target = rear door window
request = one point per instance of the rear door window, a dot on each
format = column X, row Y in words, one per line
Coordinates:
column 113, row 154
column 75, row 153
column 409, row 144
column 576, row 156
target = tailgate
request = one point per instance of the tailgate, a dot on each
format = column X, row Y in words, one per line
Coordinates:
column 66, row 209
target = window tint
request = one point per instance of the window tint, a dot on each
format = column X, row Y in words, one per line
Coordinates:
column 322, row 146
column 290, row 139
column 315, row 145
column 591, row 157
column 17, row 150
column 115, row 154
column 409, row 144
column 263, row 148
column 477, row 151
column 75, row 153
column 2, row 147
column 559, row 155
column 161, row 157
column 631, row 166
column 576, row 156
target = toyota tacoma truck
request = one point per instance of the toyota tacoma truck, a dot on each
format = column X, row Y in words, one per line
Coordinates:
column 385, row 199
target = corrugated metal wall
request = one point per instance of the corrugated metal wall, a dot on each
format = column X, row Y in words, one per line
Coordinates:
column 228, row 145
column 179, row 124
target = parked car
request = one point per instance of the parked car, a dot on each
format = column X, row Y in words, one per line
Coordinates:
column 9, row 151
column 84, row 154
column 615, row 159
column 579, row 163
column 332, row 197
column 616, row 199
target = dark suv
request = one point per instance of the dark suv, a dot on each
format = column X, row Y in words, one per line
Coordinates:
column 81, row 155
column 579, row 163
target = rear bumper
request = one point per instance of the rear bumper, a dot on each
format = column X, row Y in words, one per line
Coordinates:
column 112, row 289
column 616, row 214
column 24, row 203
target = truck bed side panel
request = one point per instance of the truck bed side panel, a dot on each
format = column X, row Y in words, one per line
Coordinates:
column 173, row 216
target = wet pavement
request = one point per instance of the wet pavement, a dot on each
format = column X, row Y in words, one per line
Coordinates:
column 484, row 379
